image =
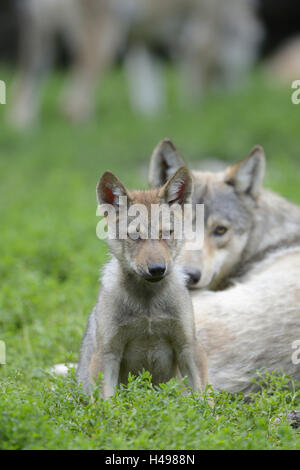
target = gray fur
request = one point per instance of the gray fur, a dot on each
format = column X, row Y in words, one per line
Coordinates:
column 138, row 323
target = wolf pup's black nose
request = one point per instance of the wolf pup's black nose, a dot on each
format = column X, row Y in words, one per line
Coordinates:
column 194, row 275
column 157, row 270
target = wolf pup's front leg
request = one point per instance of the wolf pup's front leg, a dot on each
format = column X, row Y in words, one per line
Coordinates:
column 190, row 356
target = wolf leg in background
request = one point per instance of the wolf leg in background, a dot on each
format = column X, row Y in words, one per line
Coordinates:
column 90, row 32
column 254, row 323
column 144, row 317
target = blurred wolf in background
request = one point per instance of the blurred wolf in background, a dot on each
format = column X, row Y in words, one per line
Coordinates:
column 213, row 41
column 248, row 312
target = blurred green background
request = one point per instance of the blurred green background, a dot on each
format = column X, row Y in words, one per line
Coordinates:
column 49, row 254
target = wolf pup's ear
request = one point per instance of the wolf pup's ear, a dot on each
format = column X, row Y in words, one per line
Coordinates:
column 247, row 175
column 109, row 189
column 178, row 189
column 165, row 161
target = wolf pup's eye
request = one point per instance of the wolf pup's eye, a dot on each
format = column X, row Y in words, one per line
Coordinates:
column 220, row 231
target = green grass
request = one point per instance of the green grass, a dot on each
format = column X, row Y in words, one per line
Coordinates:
column 50, row 259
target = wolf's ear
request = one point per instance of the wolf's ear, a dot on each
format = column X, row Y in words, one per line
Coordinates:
column 165, row 161
column 109, row 189
column 178, row 189
column 247, row 176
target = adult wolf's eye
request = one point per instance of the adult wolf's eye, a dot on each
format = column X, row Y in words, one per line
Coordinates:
column 220, row 230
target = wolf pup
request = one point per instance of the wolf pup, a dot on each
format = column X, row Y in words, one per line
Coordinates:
column 144, row 317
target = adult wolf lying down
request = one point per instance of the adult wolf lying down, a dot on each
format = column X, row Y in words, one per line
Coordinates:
column 247, row 301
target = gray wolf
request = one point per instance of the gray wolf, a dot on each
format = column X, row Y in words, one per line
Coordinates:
column 213, row 41
column 143, row 318
column 251, row 262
